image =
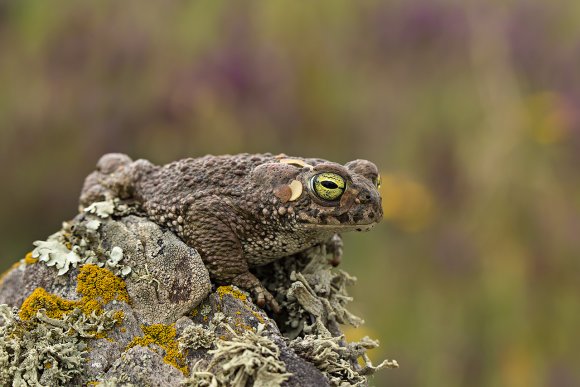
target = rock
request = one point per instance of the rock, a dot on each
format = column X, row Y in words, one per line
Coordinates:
column 114, row 299
column 171, row 278
column 143, row 367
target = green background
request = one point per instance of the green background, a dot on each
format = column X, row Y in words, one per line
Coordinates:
column 471, row 110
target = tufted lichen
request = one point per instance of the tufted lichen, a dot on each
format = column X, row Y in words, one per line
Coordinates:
column 165, row 337
column 243, row 358
column 338, row 362
column 36, row 353
column 196, row 336
column 310, row 290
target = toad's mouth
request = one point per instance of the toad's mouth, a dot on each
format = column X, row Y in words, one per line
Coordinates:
column 340, row 227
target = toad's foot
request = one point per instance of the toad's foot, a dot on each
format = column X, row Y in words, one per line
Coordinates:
column 262, row 296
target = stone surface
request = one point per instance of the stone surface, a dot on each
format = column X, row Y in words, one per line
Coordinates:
column 170, row 277
column 136, row 305
column 143, row 367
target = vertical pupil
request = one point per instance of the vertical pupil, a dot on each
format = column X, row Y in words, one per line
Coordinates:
column 329, row 184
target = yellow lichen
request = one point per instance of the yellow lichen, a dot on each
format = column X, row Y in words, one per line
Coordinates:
column 29, row 259
column 96, row 285
column 258, row 317
column 54, row 305
column 223, row 290
column 230, row 290
column 165, row 337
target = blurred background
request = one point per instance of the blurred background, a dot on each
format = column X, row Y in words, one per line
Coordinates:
column 471, row 110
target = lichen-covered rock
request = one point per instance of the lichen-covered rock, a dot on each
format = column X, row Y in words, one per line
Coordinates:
column 114, row 299
column 142, row 367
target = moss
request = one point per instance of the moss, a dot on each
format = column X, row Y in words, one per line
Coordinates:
column 165, row 337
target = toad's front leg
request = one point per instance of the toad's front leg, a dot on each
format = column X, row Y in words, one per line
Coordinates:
column 334, row 247
column 223, row 256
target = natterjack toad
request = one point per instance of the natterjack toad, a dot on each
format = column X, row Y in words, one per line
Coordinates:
column 245, row 210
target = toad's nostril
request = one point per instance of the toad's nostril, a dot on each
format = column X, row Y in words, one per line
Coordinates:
column 365, row 197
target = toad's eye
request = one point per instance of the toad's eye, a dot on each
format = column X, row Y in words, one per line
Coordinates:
column 328, row 186
column 377, row 181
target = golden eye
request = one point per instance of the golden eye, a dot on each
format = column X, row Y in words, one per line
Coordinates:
column 328, row 186
column 378, row 181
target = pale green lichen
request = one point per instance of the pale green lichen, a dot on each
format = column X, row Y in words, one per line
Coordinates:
column 54, row 252
column 76, row 245
column 85, row 326
column 80, row 244
column 102, row 209
column 93, row 224
column 239, row 360
column 115, row 257
column 339, row 362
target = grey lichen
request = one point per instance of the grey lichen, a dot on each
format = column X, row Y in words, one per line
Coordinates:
column 114, row 262
column 313, row 294
column 314, row 297
column 37, row 353
column 240, row 359
column 337, row 361
column 85, row 326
